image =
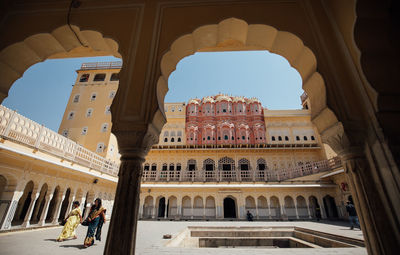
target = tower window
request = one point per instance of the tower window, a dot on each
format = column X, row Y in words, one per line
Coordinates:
column 114, row 77
column 89, row 112
column 71, row 115
column 76, row 98
column 104, row 127
column 93, row 97
column 100, row 147
column 112, row 94
column 99, row 77
column 84, row 78
column 65, row 132
column 108, row 110
column 84, row 130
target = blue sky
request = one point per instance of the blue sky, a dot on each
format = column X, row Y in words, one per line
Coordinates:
column 43, row 92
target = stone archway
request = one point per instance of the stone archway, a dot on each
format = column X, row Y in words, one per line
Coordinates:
column 236, row 35
column 229, row 208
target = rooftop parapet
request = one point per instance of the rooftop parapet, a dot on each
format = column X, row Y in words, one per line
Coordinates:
column 101, row 65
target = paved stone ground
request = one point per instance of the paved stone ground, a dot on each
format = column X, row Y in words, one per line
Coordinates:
column 149, row 240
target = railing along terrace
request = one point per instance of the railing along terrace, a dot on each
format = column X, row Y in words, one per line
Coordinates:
column 16, row 127
column 101, row 65
column 220, row 175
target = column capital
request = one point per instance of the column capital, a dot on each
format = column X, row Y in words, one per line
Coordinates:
column 353, row 159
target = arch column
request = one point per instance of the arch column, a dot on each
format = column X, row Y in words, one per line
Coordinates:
column 89, row 203
column 179, row 206
column 37, row 208
column 133, row 148
column 47, row 198
column 141, row 205
column 322, row 207
column 308, row 206
column 34, row 196
column 13, row 197
column 60, row 199
column 295, row 205
column 371, row 204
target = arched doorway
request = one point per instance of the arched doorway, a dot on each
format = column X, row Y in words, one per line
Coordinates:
column 229, row 208
column 23, row 204
column 161, row 207
column 64, row 206
column 330, row 207
column 315, row 210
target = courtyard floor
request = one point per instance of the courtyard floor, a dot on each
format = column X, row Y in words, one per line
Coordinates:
column 149, row 239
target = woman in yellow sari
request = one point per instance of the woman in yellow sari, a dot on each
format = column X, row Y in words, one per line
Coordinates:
column 72, row 222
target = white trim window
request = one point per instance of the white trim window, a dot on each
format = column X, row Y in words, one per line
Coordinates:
column 84, row 130
column 65, row 132
column 104, row 127
column 93, row 96
column 108, row 110
column 89, row 112
column 100, row 147
column 76, row 98
column 71, row 115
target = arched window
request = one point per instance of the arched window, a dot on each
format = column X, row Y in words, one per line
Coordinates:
column 273, row 138
column 84, row 78
column 146, row 167
column 286, row 138
column 178, row 167
column 244, row 164
column 226, row 137
column 166, row 133
column 312, row 138
column 165, row 140
column 179, row 133
column 305, row 138
column 261, row 164
column 171, row 167
column 154, row 167
column 179, row 140
column 280, row 138
column 191, row 165
column 208, row 138
column 208, row 165
column 114, row 77
column 297, row 138
column 172, row 140
column 164, row 167
column 226, row 164
column 99, row 77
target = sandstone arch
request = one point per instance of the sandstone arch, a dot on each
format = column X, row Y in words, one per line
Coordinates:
column 59, row 43
column 235, row 34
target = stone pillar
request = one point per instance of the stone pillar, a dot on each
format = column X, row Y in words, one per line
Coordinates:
column 47, row 199
column 60, row 199
column 165, row 207
column 179, row 207
column 153, row 210
column 256, row 202
column 34, row 197
column 297, row 212
column 36, row 209
column 374, row 207
column 308, row 209
column 122, row 231
column 141, row 205
column 322, row 207
column 13, row 198
column 69, row 207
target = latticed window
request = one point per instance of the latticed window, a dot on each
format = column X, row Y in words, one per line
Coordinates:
column 209, row 165
column 178, row 167
column 171, row 167
column 154, row 167
column 146, row 167
column 191, row 165
column 226, row 164
column 99, row 77
column 76, row 98
column 261, row 164
column 164, row 167
column 244, row 164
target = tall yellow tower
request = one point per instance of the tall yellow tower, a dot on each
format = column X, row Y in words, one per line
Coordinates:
column 87, row 117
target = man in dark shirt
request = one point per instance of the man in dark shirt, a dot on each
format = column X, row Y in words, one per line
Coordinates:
column 353, row 218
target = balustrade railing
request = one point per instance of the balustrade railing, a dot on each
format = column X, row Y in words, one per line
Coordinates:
column 242, row 175
column 18, row 128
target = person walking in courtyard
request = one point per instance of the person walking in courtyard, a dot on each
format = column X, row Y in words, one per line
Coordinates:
column 353, row 218
column 71, row 223
column 97, row 213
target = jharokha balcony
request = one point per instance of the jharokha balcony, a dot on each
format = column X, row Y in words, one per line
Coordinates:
column 228, row 172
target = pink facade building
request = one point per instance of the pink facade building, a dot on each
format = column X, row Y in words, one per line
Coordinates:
column 225, row 120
